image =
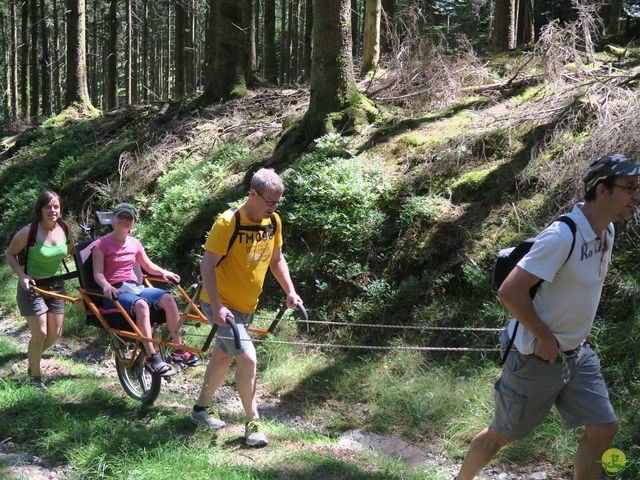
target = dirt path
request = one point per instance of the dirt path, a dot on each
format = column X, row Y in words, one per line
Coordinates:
column 181, row 390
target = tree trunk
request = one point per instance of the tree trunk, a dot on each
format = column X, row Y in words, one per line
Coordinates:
column 270, row 58
column 371, row 47
column 24, row 61
column 253, row 38
column 13, row 73
column 355, row 26
column 135, row 54
column 333, row 86
column 528, row 22
column 335, row 104
column 295, row 27
column 308, row 27
column 92, row 56
column 190, row 49
column 180, row 85
column 232, row 51
column 145, row 50
column 284, row 58
column 615, row 11
column 33, row 62
column 127, row 54
column 76, row 88
column 504, row 26
column 289, row 39
column 258, row 16
column 5, row 104
column 112, row 57
column 211, row 41
column 46, row 62
column 166, row 74
column 388, row 15
column 57, row 86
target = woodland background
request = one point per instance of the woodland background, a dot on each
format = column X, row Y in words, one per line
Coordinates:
column 416, row 139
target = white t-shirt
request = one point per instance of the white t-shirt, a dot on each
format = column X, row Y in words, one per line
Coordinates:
column 568, row 298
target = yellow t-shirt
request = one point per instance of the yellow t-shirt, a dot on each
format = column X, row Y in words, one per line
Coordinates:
column 240, row 275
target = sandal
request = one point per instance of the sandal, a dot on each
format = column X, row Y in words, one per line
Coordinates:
column 185, row 358
column 156, row 366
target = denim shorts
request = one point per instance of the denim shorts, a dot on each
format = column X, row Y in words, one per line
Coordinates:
column 227, row 344
column 530, row 386
column 129, row 293
column 33, row 304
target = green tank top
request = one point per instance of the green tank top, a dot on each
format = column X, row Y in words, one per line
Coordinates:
column 45, row 260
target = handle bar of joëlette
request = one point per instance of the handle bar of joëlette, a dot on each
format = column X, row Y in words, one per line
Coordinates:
column 236, row 335
column 303, row 311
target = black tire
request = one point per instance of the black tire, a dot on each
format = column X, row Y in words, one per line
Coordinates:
column 138, row 382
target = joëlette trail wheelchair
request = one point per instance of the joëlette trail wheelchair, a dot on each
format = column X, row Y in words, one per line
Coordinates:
column 125, row 338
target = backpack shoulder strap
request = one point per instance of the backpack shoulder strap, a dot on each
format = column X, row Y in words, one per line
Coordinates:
column 274, row 222
column 31, row 241
column 234, row 234
column 572, row 226
column 236, row 228
column 33, row 233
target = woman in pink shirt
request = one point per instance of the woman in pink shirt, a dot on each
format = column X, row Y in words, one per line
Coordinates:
column 114, row 259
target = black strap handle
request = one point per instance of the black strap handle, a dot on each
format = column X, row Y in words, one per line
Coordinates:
column 236, row 335
column 276, row 321
column 305, row 323
column 281, row 312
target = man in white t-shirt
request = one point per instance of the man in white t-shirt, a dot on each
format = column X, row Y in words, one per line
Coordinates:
column 552, row 364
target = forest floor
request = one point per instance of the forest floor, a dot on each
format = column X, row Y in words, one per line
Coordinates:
column 258, row 119
column 178, row 395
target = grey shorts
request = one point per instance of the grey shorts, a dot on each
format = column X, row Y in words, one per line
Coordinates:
column 227, row 344
column 34, row 304
column 530, row 386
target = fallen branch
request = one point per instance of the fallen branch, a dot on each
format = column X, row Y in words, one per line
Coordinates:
column 502, row 86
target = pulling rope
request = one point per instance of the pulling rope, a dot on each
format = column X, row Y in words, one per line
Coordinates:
column 384, row 325
column 372, row 347
column 367, row 347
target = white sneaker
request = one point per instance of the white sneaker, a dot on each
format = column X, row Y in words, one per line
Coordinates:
column 208, row 420
column 252, row 435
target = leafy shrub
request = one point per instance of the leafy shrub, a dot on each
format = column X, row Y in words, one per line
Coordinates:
column 476, row 276
column 421, row 208
column 182, row 192
column 334, row 145
column 333, row 203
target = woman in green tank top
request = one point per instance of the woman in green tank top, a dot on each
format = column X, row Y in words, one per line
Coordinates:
column 43, row 266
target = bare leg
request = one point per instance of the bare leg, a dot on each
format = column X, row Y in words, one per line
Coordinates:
column 141, row 312
column 168, row 304
column 54, row 329
column 38, row 327
column 484, row 446
column 246, row 381
column 596, row 439
column 214, row 375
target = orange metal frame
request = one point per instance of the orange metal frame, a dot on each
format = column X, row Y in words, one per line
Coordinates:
column 136, row 335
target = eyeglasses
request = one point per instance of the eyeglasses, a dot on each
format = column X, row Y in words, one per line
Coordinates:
column 271, row 203
column 630, row 189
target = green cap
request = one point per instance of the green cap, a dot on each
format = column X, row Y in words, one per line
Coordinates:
column 126, row 208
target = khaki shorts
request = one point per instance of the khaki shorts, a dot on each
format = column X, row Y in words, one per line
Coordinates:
column 34, row 304
column 227, row 344
column 530, row 386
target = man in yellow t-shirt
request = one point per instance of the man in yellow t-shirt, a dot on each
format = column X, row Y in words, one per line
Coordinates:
column 233, row 268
